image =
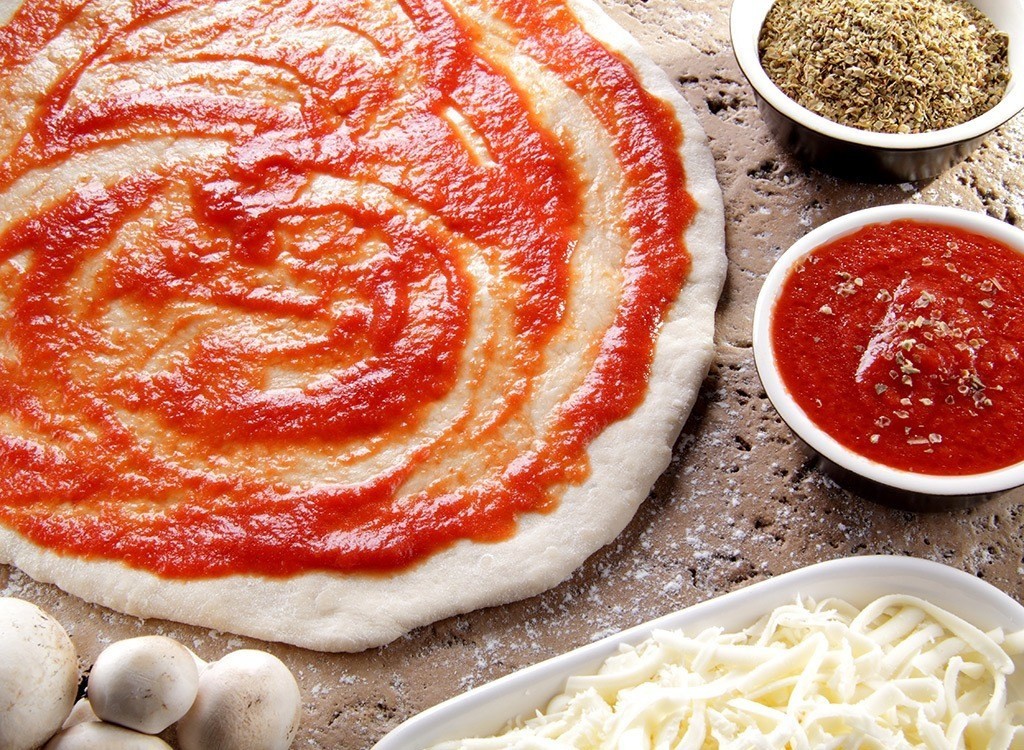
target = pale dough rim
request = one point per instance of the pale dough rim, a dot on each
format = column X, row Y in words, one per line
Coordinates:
column 338, row 612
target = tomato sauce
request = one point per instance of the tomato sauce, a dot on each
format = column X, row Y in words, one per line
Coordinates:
column 128, row 434
column 903, row 341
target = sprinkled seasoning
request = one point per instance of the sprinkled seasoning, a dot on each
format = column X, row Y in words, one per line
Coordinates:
column 890, row 66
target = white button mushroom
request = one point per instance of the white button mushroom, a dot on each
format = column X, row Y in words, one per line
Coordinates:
column 248, row 700
column 80, row 712
column 98, row 735
column 144, row 683
column 38, row 675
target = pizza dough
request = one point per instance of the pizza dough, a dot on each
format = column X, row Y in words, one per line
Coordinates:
column 193, row 546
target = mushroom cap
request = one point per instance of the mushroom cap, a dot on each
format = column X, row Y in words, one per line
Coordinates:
column 38, row 675
column 98, row 735
column 145, row 683
column 248, row 700
column 80, row 712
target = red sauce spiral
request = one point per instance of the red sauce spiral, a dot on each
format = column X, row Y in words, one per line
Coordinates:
column 283, row 283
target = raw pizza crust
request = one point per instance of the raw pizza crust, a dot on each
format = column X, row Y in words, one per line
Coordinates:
column 332, row 612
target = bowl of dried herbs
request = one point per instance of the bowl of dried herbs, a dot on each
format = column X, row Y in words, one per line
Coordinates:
column 882, row 90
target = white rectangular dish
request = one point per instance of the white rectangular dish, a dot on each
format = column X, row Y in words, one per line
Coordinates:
column 487, row 709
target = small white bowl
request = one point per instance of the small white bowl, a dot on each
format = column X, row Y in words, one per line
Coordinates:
column 863, row 154
column 909, row 489
column 485, row 710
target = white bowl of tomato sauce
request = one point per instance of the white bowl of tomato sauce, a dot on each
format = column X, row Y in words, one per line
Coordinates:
column 891, row 341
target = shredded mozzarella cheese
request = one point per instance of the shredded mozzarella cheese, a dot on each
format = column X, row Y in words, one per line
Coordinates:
column 901, row 673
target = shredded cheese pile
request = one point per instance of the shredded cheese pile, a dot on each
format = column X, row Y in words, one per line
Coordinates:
column 901, row 673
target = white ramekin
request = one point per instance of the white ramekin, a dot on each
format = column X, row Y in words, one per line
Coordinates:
column 863, row 154
column 912, row 489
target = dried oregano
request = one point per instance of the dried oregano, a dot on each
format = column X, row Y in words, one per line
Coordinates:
column 891, row 66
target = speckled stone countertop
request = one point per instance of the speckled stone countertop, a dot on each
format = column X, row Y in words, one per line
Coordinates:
column 742, row 500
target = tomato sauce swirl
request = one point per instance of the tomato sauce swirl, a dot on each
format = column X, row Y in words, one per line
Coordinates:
column 282, row 281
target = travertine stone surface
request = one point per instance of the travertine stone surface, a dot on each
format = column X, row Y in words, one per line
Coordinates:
column 742, row 500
